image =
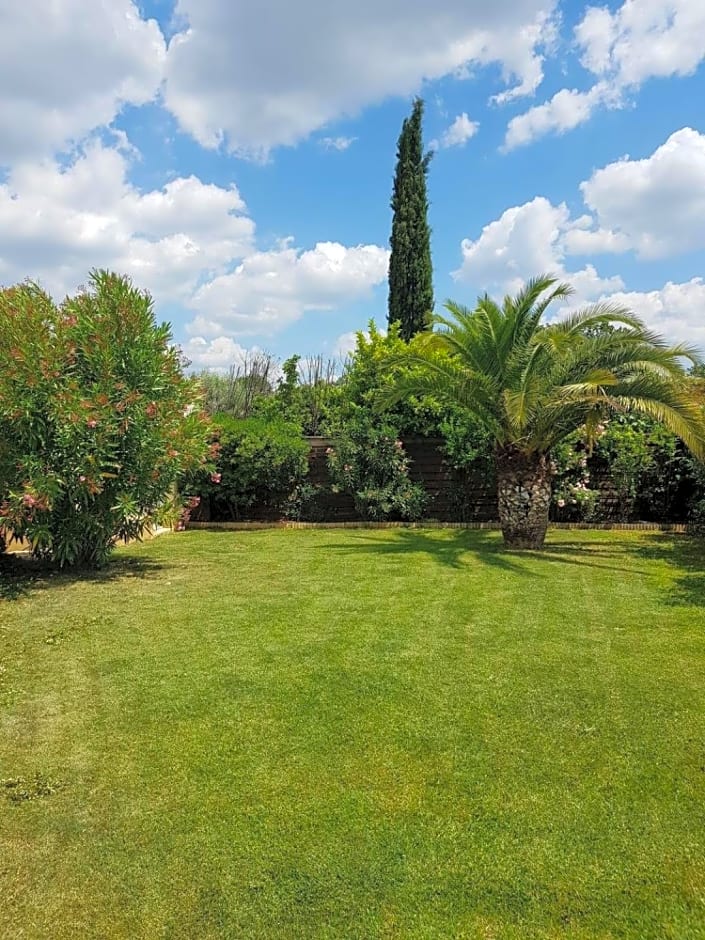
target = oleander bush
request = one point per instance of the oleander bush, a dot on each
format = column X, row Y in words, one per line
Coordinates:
column 97, row 420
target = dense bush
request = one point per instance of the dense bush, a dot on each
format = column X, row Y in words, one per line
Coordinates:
column 259, row 468
column 369, row 463
column 371, row 369
column 97, row 421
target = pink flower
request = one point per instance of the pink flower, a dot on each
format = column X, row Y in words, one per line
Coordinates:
column 82, row 479
column 28, row 500
column 92, row 423
column 216, row 477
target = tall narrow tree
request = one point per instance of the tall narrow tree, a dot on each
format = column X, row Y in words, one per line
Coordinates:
column 410, row 270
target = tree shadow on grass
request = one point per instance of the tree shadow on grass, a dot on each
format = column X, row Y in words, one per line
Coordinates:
column 687, row 555
column 453, row 550
column 457, row 547
column 21, row 575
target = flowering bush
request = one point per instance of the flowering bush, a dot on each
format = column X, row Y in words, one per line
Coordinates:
column 259, row 466
column 573, row 500
column 369, row 463
column 97, row 421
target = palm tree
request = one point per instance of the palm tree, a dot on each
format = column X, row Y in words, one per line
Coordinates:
column 532, row 384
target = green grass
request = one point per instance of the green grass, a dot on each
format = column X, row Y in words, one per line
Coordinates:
column 358, row 734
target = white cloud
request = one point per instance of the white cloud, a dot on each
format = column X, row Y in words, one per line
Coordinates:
column 337, row 143
column 218, row 354
column 458, row 134
column 57, row 222
column 69, row 66
column 642, row 39
column 566, row 110
column 190, row 243
column 655, row 206
column 675, row 311
column 525, row 241
column 345, row 344
column 254, row 81
column 539, row 237
column 271, row 289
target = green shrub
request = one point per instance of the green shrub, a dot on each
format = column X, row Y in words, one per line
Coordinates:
column 259, row 468
column 369, row 462
column 97, row 421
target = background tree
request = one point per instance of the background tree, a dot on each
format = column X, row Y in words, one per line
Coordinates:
column 410, row 269
column 238, row 391
column 533, row 385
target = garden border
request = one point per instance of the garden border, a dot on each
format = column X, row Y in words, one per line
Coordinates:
column 679, row 528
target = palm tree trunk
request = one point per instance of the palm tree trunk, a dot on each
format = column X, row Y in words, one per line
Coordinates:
column 524, row 496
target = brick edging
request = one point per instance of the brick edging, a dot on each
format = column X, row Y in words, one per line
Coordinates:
column 675, row 528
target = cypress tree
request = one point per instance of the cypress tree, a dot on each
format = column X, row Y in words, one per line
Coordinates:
column 410, row 270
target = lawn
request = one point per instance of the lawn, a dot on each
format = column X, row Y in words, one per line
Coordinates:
column 358, row 734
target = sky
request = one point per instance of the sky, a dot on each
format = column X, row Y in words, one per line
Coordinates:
column 235, row 158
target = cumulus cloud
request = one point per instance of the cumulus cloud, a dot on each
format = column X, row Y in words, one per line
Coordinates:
column 271, row 289
column 218, row 354
column 189, row 243
column 68, row 66
column 58, row 221
column 251, row 81
column 675, row 310
column 642, row 40
column 621, row 50
column 458, row 134
column 527, row 240
column 654, row 206
column 565, row 110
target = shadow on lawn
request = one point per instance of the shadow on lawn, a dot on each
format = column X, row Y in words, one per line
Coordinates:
column 19, row 575
column 687, row 555
column 452, row 551
column 459, row 546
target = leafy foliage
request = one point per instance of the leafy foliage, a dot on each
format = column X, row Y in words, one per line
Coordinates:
column 371, row 371
column 369, row 462
column 259, row 467
column 97, row 422
column 532, row 385
column 574, row 497
column 307, row 394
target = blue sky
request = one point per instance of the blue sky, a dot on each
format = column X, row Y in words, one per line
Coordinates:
column 236, row 159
